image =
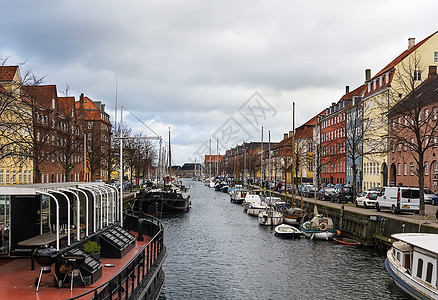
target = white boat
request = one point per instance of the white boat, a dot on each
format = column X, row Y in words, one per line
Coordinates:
column 238, row 195
column 287, row 231
column 256, row 208
column 249, row 200
column 412, row 263
column 270, row 217
column 319, row 227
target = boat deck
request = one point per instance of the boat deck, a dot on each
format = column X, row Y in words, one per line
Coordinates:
column 17, row 279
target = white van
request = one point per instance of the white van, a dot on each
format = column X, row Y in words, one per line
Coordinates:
column 399, row 199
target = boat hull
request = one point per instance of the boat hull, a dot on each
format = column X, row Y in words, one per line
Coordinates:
column 154, row 203
column 319, row 235
column 287, row 232
column 255, row 211
column 270, row 218
column 405, row 282
column 346, row 242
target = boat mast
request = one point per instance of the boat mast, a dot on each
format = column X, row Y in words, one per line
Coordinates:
column 269, row 161
column 244, row 163
column 237, row 163
column 293, row 152
column 261, row 163
column 209, row 162
column 217, row 157
column 170, row 160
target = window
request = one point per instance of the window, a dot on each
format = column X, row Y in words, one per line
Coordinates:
column 90, row 125
column 29, row 177
column 1, row 177
column 25, row 176
column 405, row 169
column 429, row 272
column 411, row 166
column 398, row 169
column 420, row 268
column 7, row 176
column 426, row 168
column 435, row 57
column 417, row 75
column 434, row 113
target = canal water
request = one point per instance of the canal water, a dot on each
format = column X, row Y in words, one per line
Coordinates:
column 216, row 251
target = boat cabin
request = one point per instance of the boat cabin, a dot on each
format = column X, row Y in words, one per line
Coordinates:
column 58, row 214
column 418, row 254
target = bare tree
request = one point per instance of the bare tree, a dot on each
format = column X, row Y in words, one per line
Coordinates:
column 411, row 125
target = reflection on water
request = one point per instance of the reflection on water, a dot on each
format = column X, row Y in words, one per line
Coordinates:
column 216, row 251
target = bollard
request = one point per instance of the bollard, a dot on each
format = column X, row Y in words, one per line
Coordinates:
column 140, row 230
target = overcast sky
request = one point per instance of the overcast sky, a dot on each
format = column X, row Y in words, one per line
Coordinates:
column 208, row 68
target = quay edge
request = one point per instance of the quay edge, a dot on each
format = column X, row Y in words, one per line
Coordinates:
column 371, row 228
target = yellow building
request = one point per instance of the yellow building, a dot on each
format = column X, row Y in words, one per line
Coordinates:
column 15, row 130
column 384, row 90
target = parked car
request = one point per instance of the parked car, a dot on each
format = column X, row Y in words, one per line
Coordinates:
column 399, row 199
column 343, row 194
column 326, row 193
column 429, row 195
column 367, row 199
column 309, row 191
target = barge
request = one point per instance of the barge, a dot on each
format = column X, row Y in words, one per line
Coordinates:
column 45, row 228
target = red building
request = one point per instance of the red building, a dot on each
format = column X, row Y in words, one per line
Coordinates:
column 55, row 159
column 403, row 154
column 332, row 141
column 97, row 128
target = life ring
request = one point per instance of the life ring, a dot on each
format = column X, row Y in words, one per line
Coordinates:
column 323, row 226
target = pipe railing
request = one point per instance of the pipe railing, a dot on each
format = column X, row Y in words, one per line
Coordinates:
column 124, row 283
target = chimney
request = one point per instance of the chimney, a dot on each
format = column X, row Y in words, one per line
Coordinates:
column 284, row 136
column 290, row 133
column 367, row 75
column 411, row 43
column 347, row 89
column 81, row 100
column 432, row 73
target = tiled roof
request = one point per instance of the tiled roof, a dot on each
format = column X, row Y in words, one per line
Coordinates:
column 65, row 105
column 7, row 73
column 91, row 111
column 393, row 64
column 43, row 94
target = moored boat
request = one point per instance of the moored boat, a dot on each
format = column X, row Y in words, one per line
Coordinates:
column 287, row 231
column 412, row 263
column 250, row 199
column 122, row 239
column 293, row 216
column 170, row 200
column 319, row 227
column 270, row 217
column 346, row 241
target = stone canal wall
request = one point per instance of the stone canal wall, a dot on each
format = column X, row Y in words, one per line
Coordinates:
column 370, row 227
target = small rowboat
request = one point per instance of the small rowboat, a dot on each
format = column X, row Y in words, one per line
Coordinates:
column 346, row 241
column 287, row 231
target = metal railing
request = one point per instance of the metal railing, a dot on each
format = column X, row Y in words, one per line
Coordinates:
column 123, row 285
